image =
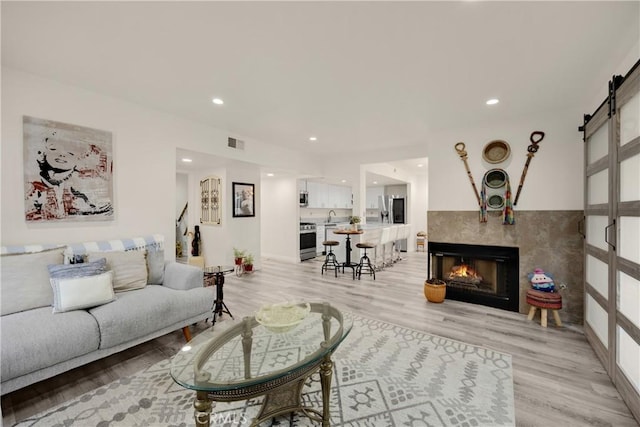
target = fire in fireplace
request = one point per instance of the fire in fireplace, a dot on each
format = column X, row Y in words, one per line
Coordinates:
column 465, row 274
column 479, row 274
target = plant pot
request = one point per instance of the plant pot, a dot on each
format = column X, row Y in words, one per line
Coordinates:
column 248, row 267
column 238, row 261
column 435, row 290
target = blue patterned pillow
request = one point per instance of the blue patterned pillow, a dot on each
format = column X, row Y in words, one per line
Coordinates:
column 65, row 271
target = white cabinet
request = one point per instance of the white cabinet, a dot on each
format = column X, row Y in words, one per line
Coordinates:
column 318, row 196
column 339, row 197
column 329, row 196
column 373, row 194
column 336, row 196
column 319, row 239
column 346, row 198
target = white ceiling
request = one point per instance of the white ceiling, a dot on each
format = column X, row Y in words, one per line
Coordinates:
column 358, row 75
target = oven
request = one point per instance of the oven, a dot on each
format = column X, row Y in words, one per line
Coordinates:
column 307, row 240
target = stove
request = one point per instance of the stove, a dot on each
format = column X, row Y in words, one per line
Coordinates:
column 307, row 226
column 307, row 240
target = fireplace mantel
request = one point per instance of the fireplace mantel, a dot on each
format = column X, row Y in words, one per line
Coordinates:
column 546, row 239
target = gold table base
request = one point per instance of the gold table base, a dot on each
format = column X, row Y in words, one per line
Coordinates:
column 282, row 396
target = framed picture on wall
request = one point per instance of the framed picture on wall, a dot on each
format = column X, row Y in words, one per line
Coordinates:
column 244, row 200
column 68, row 172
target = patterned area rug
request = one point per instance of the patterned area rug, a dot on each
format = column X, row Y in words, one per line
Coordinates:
column 384, row 375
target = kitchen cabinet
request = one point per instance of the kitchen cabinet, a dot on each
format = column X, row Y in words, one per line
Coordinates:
column 339, row 197
column 347, row 197
column 329, row 196
column 319, row 239
column 373, row 194
column 318, row 195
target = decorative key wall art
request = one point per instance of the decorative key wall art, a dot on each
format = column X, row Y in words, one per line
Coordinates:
column 68, row 172
column 210, row 211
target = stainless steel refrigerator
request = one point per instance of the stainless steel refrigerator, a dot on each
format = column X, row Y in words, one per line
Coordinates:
column 398, row 216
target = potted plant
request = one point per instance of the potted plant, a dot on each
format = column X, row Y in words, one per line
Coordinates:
column 354, row 220
column 238, row 255
column 248, row 262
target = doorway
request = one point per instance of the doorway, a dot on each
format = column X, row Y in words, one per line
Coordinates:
column 182, row 217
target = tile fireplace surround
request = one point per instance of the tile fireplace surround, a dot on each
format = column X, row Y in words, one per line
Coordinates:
column 547, row 239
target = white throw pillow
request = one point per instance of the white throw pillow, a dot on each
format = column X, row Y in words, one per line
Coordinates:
column 75, row 293
column 129, row 268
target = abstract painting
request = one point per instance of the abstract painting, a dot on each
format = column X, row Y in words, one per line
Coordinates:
column 68, row 171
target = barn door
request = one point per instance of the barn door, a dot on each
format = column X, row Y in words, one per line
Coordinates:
column 612, row 234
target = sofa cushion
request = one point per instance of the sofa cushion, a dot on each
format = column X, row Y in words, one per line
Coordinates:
column 138, row 313
column 155, row 266
column 25, row 280
column 129, row 268
column 75, row 293
column 37, row 339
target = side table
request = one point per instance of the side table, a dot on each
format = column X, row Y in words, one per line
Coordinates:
column 216, row 275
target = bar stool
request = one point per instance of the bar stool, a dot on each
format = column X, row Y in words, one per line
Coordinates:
column 420, row 238
column 330, row 261
column 365, row 262
column 393, row 237
column 372, row 236
column 384, row 239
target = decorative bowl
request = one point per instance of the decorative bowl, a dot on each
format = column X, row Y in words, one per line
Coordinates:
column 282, row 317
column 496, row 151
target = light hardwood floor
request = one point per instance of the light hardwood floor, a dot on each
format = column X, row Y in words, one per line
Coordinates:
column 557, row 379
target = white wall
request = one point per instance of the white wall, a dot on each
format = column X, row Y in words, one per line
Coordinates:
column 144, row 144
column 554, row 178
column 279, row 231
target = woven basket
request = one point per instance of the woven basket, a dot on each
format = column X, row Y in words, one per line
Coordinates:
column 496, row 151
column 435, row 290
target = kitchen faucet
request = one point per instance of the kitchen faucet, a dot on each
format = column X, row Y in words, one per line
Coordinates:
column 334, row 212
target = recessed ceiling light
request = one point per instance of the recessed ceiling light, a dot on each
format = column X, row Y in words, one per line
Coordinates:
column 313, row 138
column 375, row 182
column 269, row 174
column 344, row 180
column 420, row 165
column 217, row 101
column 493, row 101
column 187, row 160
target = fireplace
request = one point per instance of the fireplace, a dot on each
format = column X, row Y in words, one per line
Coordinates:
column 480, row 274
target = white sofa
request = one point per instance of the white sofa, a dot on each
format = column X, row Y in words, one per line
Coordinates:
column 39, row 343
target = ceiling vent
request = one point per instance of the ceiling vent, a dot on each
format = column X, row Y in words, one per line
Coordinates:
column 235, row 143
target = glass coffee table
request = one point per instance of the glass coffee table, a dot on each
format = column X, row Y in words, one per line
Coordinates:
column 252, row 357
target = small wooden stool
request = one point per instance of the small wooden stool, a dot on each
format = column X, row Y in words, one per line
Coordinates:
column 544, row 301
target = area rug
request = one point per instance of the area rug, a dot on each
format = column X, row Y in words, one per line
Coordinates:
column 384, row 375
